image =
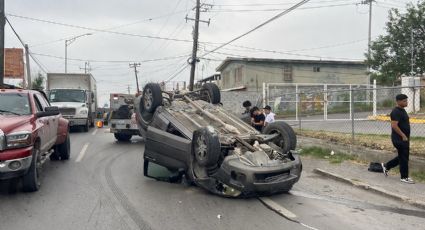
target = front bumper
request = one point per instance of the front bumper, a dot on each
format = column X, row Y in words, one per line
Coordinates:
column 256, row 181
column 8, row 171
column 76, row 121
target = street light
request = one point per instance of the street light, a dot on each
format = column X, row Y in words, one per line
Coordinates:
column 67, row 43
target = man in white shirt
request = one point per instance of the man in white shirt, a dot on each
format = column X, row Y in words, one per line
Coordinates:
column 269, row 115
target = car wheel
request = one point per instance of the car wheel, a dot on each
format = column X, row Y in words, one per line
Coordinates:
column 31, row 180
column 55, row 155
column 122, row 136
column 211, row 93
column 206, row 147
column 287, row 139
column 152, row 97
column 65, row 149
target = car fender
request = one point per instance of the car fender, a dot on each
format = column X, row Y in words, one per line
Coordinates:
column 63, row 130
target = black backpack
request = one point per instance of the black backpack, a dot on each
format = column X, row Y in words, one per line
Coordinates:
column 375, row 167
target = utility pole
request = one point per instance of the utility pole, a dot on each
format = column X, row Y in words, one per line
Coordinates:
column 27, row 60
column 412, row 54
column 2, row 24
column 194, row 58
column 370, row 25
column 86, row 68
column 135, row 65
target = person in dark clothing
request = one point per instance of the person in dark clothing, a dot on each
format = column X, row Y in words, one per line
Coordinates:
column 258, row 118
column 400, row 134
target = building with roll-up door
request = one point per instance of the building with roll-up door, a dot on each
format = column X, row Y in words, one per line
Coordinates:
column 250, row 73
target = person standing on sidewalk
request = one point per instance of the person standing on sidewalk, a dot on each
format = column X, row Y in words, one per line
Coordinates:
column 400, row 134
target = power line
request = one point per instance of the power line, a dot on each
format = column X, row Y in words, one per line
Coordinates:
column 275, row 4
column 42, row 67
column 279, row 9
column 97, row 30
column 112, row 61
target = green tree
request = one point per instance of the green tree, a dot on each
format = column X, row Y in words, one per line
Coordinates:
column 391, row 53
column 38, row 82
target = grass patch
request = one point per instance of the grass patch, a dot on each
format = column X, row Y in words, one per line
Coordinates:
column 378, row 142
column 418, row 176
column 335, row 158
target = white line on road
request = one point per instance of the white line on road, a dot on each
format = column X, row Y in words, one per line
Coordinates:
column 82, row 153
column 94, row 132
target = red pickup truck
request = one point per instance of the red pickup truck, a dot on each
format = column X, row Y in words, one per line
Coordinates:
column 31, row 131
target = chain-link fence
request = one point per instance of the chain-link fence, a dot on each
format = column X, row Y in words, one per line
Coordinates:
column 350, row 114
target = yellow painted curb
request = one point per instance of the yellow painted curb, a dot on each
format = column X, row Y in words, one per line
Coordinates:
column 413, row 120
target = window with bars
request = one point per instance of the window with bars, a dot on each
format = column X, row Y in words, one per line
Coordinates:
column 287, row 73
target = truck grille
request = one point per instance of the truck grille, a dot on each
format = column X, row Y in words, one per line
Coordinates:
column 270, row 177
column 67, row 111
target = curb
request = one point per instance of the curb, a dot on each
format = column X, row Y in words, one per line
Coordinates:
column 413, row 120
column 365, row 186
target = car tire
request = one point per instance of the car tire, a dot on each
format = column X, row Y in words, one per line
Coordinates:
column 64, row 149
column 206, row 147
column 31, row 180
column 151, row 97
column 55, row 155
column 287, row 140
column 122, row 136
column 211, row 93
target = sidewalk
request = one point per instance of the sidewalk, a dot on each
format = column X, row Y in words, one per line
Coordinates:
column 358, row 176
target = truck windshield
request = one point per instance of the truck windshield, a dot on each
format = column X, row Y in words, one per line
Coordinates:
column 14, row 104
column 67, row 95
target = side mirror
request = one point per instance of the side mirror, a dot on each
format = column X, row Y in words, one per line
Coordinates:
column 49, row 111
column 161, row 173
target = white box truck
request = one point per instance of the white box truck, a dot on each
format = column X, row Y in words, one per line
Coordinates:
column 75, row 95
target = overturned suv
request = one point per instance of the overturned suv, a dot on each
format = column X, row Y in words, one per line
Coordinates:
column 189, row 137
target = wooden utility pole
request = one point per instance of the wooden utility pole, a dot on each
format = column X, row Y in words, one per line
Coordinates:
column 135, row 65
column 195, row 46
column 27, row 60
column 2, row 25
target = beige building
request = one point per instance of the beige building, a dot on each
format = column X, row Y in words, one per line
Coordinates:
column 250, row 73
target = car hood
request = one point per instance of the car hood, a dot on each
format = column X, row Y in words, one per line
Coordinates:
column 68, row 104
column 12, row 122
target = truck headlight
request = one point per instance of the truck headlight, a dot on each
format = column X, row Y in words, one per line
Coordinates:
column 18, row 140
column 83, row 112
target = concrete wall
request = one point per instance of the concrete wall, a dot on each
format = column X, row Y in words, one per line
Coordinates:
column 254, row 74
column 232, row 101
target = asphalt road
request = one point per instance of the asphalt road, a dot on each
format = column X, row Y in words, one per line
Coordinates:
column 102, row 187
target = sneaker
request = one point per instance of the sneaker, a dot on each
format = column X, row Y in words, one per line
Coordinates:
column 384, row 170
column 407, row 180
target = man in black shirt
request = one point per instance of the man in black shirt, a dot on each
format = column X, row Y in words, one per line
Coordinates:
column 400, row 134
column 257, row 119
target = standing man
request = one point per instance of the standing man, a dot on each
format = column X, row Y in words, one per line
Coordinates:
column 258, row 119
column 400, row 134
column 269, row 115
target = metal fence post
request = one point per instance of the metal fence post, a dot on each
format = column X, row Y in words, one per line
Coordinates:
column 297, row 98
column 352, row 114
column 264, row 95
column 374, row 99
column 299, row 110
column 325, row 102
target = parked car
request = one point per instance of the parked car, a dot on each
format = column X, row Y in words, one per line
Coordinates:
column 31, row 131
column 190, row 137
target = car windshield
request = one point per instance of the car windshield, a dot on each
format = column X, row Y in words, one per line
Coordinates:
column 67, row 95
column 14, row 104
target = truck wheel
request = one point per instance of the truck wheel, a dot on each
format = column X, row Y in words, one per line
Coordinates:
column 206, row 147
column 86, row 126
column 211, row 93
column 287, row 139
column 55, row 155
column 152, row 97
column 31, row 180
column 64, row 149
column 122, row 136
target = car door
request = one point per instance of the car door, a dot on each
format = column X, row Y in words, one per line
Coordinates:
column 53, row 121
column 43, row 124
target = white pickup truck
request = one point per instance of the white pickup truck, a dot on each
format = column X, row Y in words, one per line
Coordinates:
column 122, row 119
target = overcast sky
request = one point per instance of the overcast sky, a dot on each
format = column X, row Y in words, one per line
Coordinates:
column 320, row 29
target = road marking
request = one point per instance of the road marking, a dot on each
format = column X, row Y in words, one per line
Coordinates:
column 94, row 132
column 277, row 208
column 82, row 153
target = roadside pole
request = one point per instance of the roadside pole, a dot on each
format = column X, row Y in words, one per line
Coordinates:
column 27, row 60
column 2, row 25
column 195, row 46
column 135, row 65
